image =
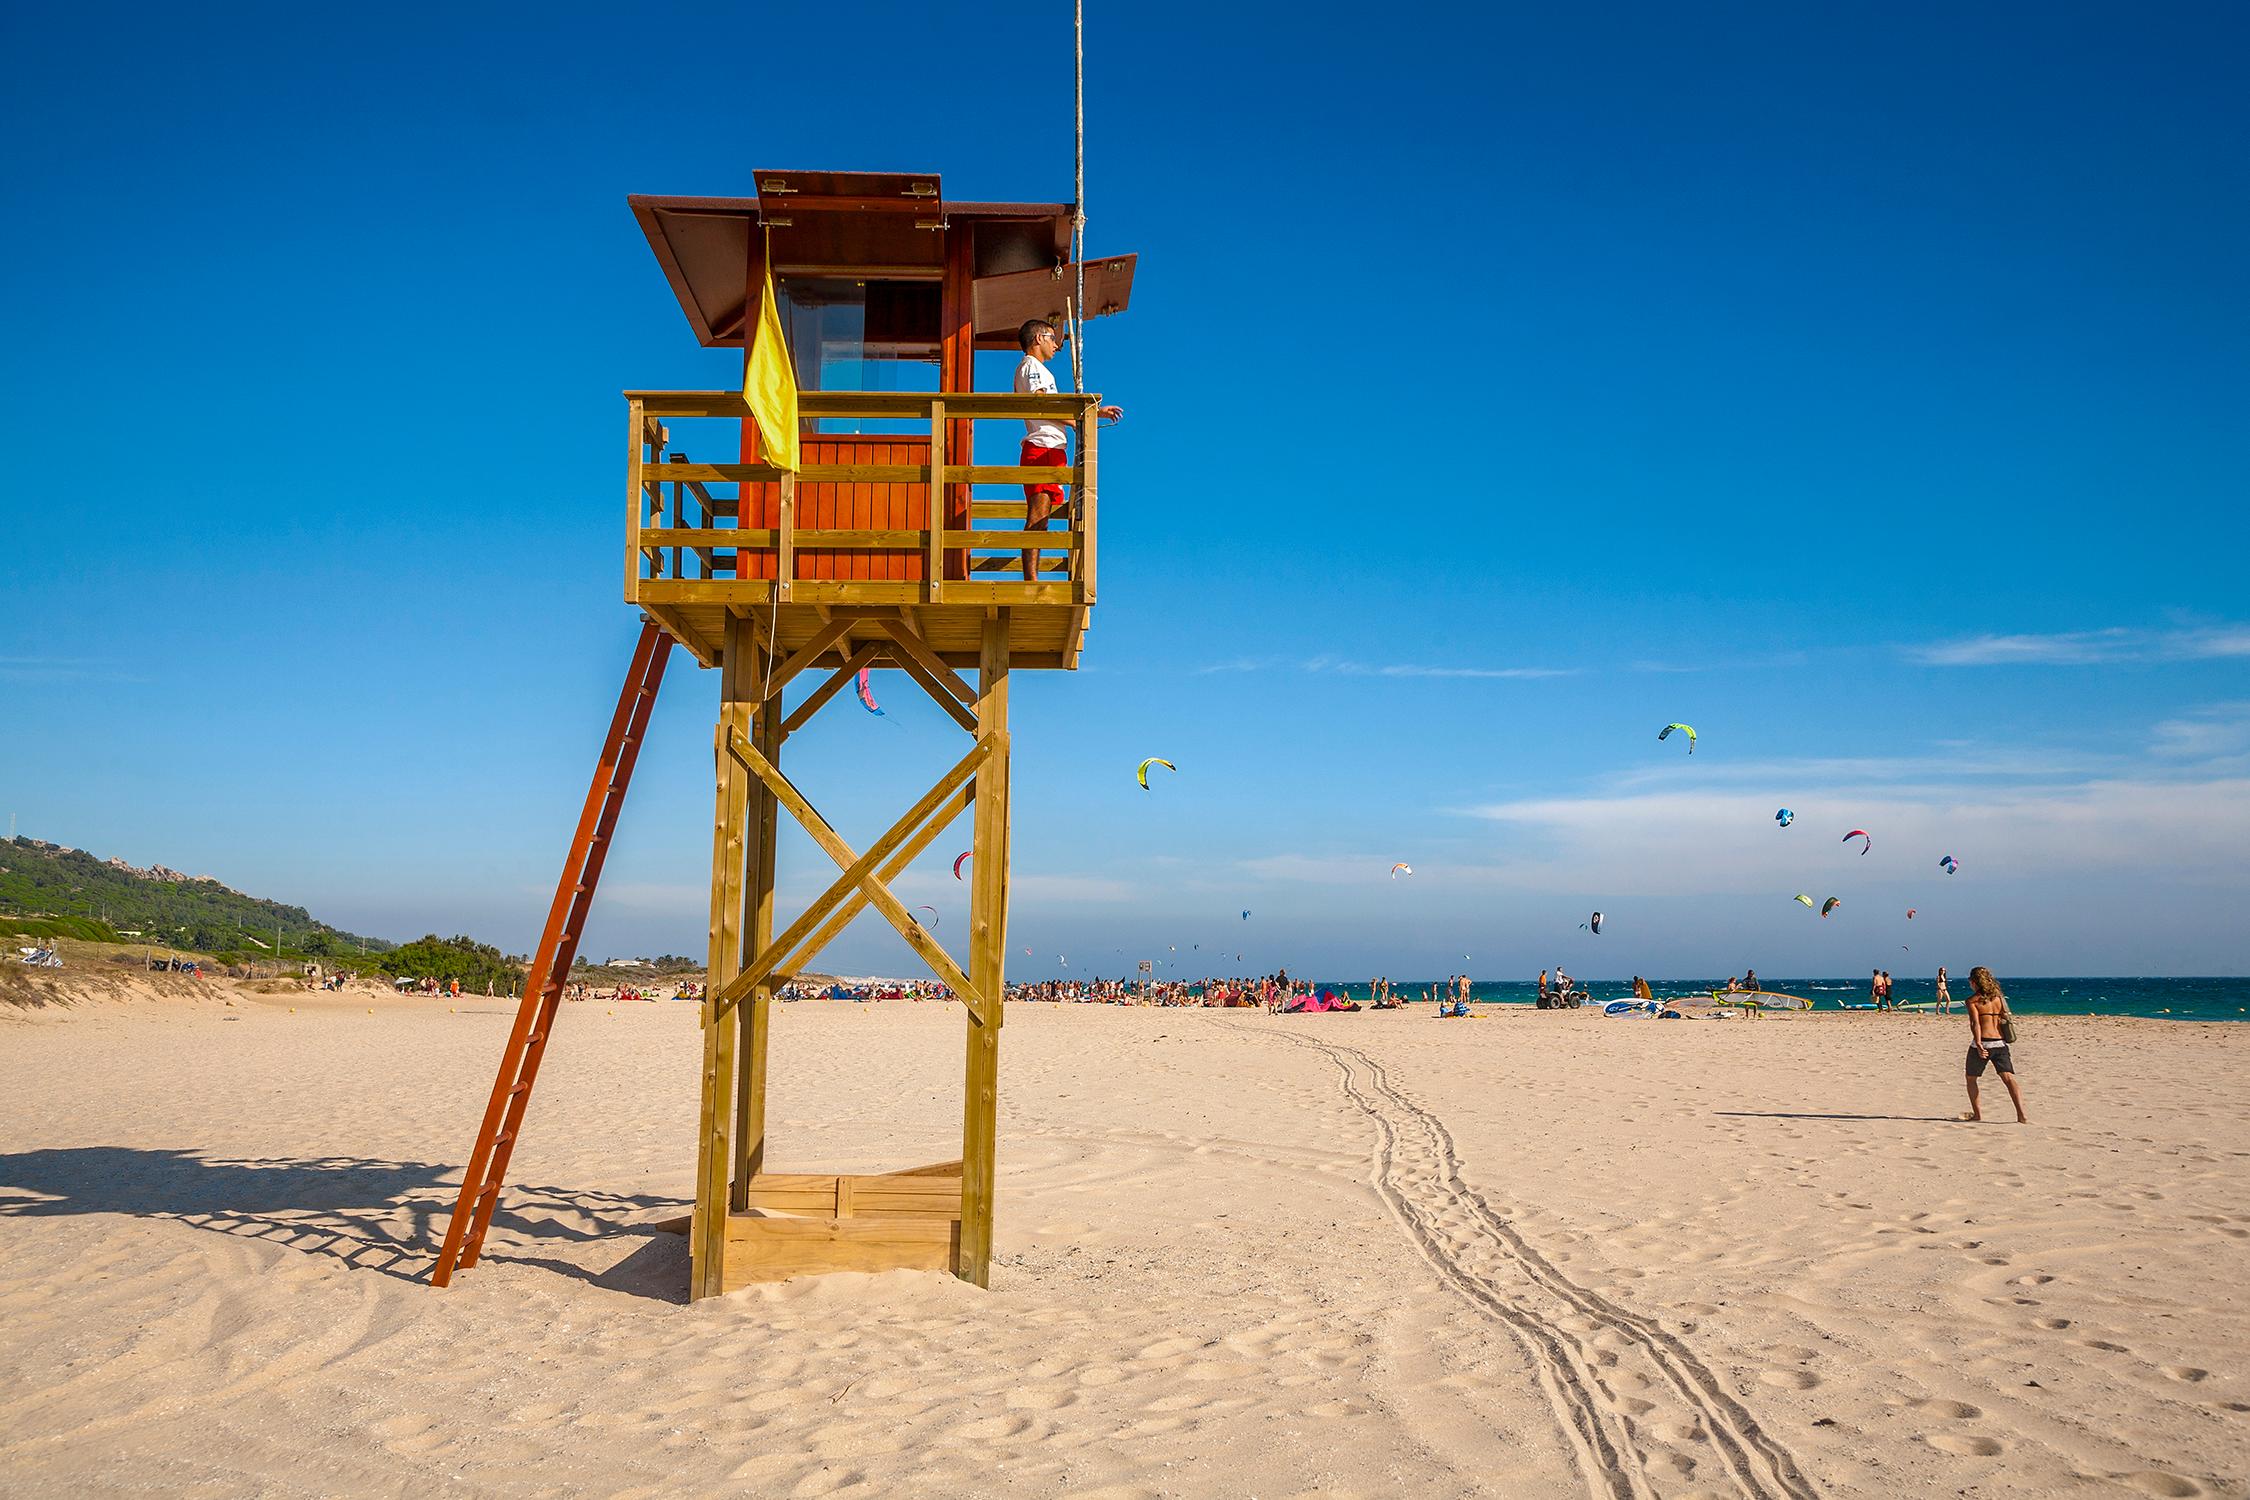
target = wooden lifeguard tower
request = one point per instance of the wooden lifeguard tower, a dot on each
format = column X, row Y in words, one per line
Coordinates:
column 877, row 552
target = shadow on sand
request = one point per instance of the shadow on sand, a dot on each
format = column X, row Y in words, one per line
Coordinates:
column 382, row 1216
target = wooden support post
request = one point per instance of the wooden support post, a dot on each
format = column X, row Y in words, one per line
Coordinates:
column 1082, row 562
column 785, row 545
column 933, row 550
column 636, row 498
column 988, row 946
column 757, row 922
column 707, row 1238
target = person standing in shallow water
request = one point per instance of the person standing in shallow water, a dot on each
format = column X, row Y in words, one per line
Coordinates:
column 1989, row 1027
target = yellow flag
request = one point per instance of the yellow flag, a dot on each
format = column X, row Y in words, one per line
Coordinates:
column 769, row 386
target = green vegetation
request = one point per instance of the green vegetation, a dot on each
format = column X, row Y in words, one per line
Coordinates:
column 159, row 906
column 475, row 964
column 85, row 929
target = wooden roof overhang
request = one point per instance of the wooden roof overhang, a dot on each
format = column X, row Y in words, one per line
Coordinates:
column 890, row 225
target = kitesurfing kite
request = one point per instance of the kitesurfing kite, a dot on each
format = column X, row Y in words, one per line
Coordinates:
column 1785, row 817
column 1141, row 775
column 1859, row 833
column 1246, row 916
column 1688, row 729
column 1830, row 904
column 1949, row 864
column 1801, row 896
column 1398, row 870
column 933, row 911
column 1910, row 914
column 866, row 694
column 960, row 860
column 1595, row 926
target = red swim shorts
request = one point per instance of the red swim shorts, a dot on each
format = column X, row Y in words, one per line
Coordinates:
column 1044, row 457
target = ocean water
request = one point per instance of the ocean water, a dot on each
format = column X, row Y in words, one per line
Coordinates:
column 2167, row 999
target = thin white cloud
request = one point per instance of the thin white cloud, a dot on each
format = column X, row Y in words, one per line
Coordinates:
column 2218, row 729
column 647, row 895
column 1339, row 666
column 2077, row 648
column 1318, row 869
column 1074, row 890
column 1723, row 841
column 1734, row 664
column 31, row 669
column 1946, row 762
column 1346, row 668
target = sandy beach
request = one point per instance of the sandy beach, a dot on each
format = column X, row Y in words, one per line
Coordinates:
column 1356, row 1255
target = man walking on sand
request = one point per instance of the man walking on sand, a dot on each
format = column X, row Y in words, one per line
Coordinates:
column 1045, row 444
column 1990, row 1030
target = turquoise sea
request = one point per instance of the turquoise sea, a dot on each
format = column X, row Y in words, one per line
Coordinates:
column 2167, row 999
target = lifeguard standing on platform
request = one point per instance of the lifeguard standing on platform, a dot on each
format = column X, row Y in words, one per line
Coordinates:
column 1045, row 445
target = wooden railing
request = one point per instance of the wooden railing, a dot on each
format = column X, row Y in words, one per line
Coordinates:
column 685, row 539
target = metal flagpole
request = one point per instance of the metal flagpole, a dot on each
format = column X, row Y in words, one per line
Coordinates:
column 1078, row 205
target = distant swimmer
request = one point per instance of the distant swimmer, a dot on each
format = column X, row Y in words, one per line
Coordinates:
column 1991, row 1041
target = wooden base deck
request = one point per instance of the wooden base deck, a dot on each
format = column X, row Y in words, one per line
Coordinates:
column 812, row 1224
column 1046, row 633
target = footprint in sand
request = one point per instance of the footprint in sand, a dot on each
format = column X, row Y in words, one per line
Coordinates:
column 2106, row 1346
column 2188, row 1373
column 992, row 1429
column 1966, row 1445
column 827, row 1481
column 2052, row 1325
column 2036, row 1278
column 1166, row 1348
column 1789, row 1380
column 2162, row 1482
column 1937, row 1406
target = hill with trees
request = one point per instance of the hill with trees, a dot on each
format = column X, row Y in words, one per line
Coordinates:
column 50, row 890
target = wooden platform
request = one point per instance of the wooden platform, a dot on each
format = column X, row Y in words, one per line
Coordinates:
column 1040, row 637
column 706, row 541
column 807, row 1224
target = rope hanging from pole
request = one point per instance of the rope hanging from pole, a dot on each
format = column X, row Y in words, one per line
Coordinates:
column 1077, row 318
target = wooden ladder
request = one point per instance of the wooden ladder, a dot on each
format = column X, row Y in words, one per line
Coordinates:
column 550, row 965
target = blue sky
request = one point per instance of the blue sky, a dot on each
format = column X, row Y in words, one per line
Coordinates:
column 1870, row 389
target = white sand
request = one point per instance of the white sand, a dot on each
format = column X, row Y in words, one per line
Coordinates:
column 1374, row 1255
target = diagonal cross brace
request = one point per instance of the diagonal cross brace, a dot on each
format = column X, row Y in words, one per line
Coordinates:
column 858, row 873
column 855, row 903
column 865, row 656
column 926, row 655
column 823, row 640
column 937, row 692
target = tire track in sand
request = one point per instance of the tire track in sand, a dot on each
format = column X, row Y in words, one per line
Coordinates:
column 1483, row 1258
